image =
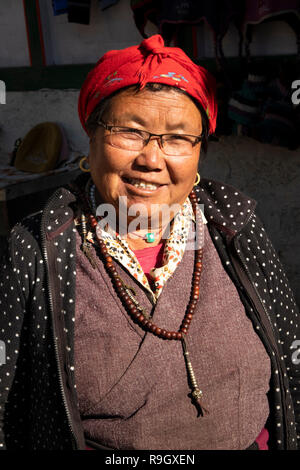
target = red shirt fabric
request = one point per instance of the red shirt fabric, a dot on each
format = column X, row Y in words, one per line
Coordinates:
column 150, row 258
column 262, row 440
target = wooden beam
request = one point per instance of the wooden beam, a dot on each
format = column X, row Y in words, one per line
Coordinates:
column 34, row 33
column 52, row 76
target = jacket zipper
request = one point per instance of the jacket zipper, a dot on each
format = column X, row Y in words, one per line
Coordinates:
column 44, row 249
column 272, row 328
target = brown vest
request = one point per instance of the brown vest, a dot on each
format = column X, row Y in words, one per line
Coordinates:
column 132, row 386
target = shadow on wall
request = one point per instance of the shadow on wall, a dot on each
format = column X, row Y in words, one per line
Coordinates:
column 271, row 176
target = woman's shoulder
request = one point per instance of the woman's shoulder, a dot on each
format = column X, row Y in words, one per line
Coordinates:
column 224, row 193
column 58, row 206
column 26, row 230
column 225, row 205
column 27, row 234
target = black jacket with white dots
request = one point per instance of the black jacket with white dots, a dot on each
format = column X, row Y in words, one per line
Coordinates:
column 38, row 400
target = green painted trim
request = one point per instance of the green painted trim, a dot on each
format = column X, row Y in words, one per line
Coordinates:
column 73, row 75
column 52, row 76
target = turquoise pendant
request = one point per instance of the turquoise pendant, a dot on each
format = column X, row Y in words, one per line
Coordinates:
column 150, row 238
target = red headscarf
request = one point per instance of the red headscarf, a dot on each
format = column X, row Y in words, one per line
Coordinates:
column 152, row 62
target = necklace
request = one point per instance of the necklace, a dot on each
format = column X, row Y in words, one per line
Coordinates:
column 149, row 237
column 136, row 312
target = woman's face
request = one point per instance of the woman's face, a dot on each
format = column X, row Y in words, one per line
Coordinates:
column 114, row 170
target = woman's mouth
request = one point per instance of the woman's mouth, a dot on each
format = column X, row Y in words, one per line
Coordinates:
column 141, row 184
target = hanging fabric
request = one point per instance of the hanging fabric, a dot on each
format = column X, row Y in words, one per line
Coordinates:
column 259, row 11
column 170, row 15
column 79, row 11
column 59, row 7
column 104, row 4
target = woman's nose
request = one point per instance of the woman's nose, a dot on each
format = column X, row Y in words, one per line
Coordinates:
column 152, row 156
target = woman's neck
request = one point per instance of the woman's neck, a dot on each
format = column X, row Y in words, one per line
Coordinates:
column 138, row 241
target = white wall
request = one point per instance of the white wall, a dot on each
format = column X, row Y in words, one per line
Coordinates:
column 13, row 37
column 68, row 43
column 113, row 28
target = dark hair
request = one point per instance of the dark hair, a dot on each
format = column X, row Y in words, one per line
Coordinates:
column 97, row 113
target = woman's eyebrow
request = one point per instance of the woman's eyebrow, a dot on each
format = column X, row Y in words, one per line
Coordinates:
column 185, row 126
column 133, row 118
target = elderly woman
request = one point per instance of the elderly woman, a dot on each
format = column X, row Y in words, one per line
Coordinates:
column 142, row 308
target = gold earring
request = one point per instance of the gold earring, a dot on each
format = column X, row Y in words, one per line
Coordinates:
column 81, row 165
column 198, row 180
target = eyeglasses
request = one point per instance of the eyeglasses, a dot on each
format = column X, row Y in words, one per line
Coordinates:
column 128, row 138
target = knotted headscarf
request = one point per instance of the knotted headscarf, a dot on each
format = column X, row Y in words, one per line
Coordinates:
column 151, row 62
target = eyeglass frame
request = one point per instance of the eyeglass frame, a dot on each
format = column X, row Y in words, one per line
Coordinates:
column 150, row 135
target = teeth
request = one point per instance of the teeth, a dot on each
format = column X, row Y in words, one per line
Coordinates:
column 142, row 184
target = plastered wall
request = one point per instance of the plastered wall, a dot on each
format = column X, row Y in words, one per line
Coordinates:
column 114, row 28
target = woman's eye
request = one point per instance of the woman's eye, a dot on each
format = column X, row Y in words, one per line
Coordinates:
column 177, row 138
column 128, row 134
column 131, row 134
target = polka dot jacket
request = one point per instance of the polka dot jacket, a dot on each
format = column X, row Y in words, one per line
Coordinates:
column 38, row 400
